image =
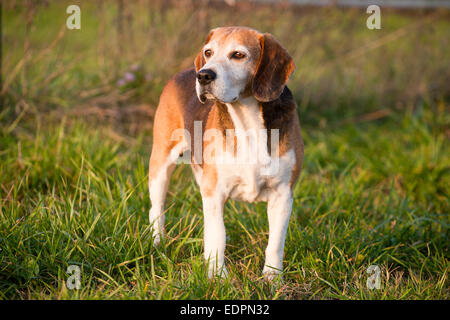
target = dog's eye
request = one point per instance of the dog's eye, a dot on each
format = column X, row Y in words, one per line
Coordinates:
column 237, row 55
column 208, row 53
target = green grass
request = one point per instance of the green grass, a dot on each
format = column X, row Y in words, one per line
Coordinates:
column 369, row 194
column 74, row 158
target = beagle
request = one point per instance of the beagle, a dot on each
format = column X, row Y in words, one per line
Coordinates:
column 234, row 120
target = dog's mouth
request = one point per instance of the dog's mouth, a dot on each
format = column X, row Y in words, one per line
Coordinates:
column 206, row 95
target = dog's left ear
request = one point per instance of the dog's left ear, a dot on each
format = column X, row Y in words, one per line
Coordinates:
column 274, row 67
column 199, row 61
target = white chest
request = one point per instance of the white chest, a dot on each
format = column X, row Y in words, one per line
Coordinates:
column 250, row 173
column 255, row 182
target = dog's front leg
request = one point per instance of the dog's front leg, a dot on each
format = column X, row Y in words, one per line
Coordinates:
column 279, row 209
column 214, row 235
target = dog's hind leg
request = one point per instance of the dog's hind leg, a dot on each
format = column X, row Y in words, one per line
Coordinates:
column 160, row 171
column 169, row 142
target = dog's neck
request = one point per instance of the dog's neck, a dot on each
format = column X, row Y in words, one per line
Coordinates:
column 246, row 114
column 248, row 122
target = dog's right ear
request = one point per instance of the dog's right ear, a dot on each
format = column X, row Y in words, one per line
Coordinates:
column 199, row 61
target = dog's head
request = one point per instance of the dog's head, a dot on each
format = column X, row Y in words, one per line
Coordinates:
column 236, row 62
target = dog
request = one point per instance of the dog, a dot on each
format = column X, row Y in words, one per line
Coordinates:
column 235, row 99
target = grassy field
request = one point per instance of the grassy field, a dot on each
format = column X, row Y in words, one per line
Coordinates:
column 74, row 149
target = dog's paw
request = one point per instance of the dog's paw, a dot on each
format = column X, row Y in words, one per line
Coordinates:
column 156, row 237
column 220, row 272
column 156, row 240
column 272, row 275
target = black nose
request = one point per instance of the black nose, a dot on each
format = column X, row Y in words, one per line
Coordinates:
column 205, row 76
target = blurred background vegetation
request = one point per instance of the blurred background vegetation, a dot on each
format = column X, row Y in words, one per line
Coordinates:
column 126, row 51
